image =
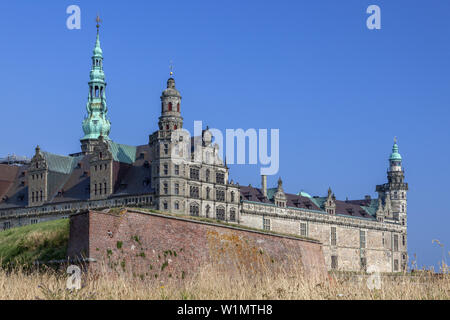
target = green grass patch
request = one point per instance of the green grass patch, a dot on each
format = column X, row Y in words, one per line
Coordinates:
column 41, row 242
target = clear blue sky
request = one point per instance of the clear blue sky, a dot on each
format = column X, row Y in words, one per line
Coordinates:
column 337, row 91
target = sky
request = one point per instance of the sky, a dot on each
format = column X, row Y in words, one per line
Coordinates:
column 338, row 92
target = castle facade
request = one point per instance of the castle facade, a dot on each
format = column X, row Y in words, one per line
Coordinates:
column 356, row 234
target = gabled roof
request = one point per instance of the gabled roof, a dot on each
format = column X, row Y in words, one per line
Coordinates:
column 15, row 192
column 61, row 164
column 7, row 176
column 122, row 152
column 72, row 187
column 135, row 178
column 356, row 208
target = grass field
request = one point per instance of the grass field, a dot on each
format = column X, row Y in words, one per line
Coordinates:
column 39, row 242
column 20, row 247
column 212, row 284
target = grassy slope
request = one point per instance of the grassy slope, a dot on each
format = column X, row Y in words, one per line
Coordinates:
column 44, row 242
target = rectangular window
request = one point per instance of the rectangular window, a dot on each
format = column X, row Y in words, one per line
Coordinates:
column 177, row 188
column 220, row 214
column 166, row 169
column 220, row 178
column 395, row 264
column 177, row 169
column 166, row 149
column 220, row 195
column 232, row 215
column 362, row 239
column 266, row 224
column 194, row 174
column 166, row 188
column 193, row 192
column 33, row 221
column 363, row 264
column 303, row 229
column 403, row 240
column 333, row 236
column 395, row 242
column 334, row 262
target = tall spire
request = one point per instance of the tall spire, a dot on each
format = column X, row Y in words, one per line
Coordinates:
column 96, row 123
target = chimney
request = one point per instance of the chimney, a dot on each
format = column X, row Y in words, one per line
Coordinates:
column 264, row 185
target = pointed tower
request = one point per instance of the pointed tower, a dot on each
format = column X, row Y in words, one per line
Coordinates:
column 96, row 123
column 170, row 118
column 393, row 193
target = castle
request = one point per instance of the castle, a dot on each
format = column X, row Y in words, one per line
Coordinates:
column 355, row 234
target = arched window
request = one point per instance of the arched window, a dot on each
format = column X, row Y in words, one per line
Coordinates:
column 170, row 106
column 232, row 196
column 207, row 175
column 178, row 107
column 96, row 91
column 41, row 196
column 208, row 208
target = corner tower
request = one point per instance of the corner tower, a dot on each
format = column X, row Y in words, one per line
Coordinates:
column 393, row 193
column 96, row 122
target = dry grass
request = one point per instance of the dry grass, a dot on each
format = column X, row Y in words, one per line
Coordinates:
column 212, row 284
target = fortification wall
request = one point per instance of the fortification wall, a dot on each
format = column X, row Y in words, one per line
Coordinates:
column 157, row 245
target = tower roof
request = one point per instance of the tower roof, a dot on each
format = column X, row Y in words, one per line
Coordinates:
column 171, row 91
column 395, row 156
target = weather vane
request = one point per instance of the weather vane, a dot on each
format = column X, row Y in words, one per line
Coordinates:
column 171, row 67
column 395, row 139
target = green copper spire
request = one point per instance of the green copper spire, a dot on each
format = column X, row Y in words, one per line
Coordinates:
column 395, row 156
column 96, row 122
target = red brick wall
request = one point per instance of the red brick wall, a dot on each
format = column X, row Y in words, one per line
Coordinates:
column 155, row 245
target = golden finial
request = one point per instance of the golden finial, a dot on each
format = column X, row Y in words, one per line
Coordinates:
column 395, row 139
column 98, row 20
column 171, row 67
